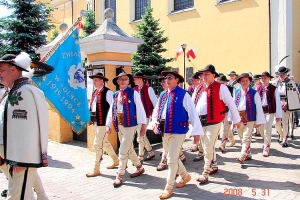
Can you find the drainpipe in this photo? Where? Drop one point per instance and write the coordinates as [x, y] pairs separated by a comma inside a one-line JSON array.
[[270, 36]]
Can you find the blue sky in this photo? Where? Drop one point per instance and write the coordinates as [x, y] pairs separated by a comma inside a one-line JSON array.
[[4, 11]]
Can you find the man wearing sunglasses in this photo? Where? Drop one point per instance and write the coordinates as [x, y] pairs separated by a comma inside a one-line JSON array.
[[126, 112], [171, 116]]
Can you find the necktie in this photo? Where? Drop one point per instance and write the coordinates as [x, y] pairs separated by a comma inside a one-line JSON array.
[[121, 96], [93, 97]]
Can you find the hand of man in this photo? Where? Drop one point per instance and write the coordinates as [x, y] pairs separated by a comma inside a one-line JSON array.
[[143, 130], [237, 125], [257, 125], [229, 122], [108, 130], [278, 119], [196, 139], [91, 122], [18, 169], [155, 128]]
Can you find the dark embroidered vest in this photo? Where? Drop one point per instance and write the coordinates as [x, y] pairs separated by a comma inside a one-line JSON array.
[[230, 88], [102, 107], [147, 103], [129, 108], [215, 106], [270, 95]]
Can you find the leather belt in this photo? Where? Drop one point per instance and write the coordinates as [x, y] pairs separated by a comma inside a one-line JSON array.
[[265, 109], [203, 120], [93, 117], [282, 98]]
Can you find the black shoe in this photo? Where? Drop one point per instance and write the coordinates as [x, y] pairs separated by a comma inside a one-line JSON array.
[[4, 193], [284, 144]]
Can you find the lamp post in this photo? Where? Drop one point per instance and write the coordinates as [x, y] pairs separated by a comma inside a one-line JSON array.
[[183, 49]]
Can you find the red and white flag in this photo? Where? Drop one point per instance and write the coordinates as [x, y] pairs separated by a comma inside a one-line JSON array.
[[178, 52], [79, 26], [191, 53]]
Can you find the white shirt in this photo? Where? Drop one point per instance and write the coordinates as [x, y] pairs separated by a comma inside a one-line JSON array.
[[226, 97], [260, 117], [264, 102], [190, 109], [281, 88], [140, 112], [109, 99]]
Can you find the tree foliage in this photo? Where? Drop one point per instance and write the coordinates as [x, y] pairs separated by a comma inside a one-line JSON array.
[[25, 29], [54, 34], [147, 58], [89, 24]]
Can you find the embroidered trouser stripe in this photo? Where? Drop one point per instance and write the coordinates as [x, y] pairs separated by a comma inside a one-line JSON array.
[[24, 184], [21, 184]]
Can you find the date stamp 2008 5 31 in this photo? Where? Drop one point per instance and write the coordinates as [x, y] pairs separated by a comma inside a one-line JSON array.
[[239, 192]]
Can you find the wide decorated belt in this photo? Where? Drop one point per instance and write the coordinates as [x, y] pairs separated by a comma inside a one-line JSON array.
[[243, 116], [120, 118]]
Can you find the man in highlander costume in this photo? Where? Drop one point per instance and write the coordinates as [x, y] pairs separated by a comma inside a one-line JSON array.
[[23, 107], [289, 98]]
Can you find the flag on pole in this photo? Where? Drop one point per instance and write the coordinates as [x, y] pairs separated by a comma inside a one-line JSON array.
[[178, 52], [191, 53], [65, 86]]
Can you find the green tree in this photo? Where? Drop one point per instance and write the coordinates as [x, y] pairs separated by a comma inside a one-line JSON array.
[[54, 34], [89, 24], [25, 29], [147, 58]]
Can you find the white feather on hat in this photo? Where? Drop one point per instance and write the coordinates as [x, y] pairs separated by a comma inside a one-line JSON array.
[[23, 60], [28, 74], [277, 67]]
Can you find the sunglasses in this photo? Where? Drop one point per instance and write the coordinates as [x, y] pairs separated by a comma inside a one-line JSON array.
[[169, 77], [123, 79]]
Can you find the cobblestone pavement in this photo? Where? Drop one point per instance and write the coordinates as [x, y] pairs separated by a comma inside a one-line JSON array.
[[274, 177]]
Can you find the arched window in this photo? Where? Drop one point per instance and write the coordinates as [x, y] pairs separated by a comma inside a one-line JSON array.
[[183, 4], [140, 7], [111, 4]]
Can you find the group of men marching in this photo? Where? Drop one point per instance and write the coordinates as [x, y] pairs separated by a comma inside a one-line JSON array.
[[214, 105]]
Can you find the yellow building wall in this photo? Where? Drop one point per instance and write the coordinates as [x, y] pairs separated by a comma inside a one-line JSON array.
[[296, 40], [232, 36]]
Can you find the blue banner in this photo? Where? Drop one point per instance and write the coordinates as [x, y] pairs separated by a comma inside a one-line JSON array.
[[65, 86]]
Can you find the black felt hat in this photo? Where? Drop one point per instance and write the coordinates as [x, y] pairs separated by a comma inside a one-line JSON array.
[[244, 75], [282, 70], [256, 77], [21, 61], [99, 75], [222, 78], [210, 68], [175, 73], [123, 74]]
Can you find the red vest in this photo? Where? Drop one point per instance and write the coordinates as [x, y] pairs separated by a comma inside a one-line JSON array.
[[147, 103], [215, 106]]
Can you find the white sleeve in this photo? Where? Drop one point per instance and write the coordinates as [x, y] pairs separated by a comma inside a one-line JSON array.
[[193, 116], [260, 117], [152, 96], [140, 111], [109, 97], [228, 100], [153, 117], [278, 113]]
